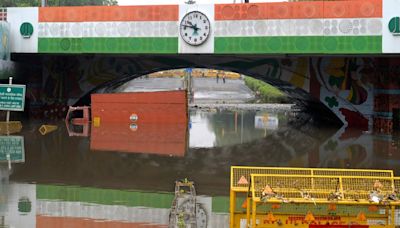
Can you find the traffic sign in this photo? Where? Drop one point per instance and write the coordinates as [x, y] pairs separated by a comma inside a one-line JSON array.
[[12, 97], [12, 148]]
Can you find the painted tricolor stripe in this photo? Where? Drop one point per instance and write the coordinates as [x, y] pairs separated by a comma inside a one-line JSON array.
[[109, 13], [64, 212], [51, 222], [108, 29], [325, 27], [299, 27], [103, 212], [300, 10], [162, 45], [100, 29]]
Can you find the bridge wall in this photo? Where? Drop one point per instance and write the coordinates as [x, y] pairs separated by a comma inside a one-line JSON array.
[[317, 27], [16, 16], [346, 85]]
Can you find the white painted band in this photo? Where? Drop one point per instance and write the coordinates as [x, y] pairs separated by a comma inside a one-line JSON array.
[[299, 27], [108, 29]]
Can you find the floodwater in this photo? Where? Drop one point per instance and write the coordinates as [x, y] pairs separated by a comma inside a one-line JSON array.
[[127, 178]]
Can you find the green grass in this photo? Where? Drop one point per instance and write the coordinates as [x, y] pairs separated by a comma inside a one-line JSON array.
[[265, 91]]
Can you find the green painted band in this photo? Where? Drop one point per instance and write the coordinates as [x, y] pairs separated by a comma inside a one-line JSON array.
[[109, 45], [299, 45], [118, 197], [104, 196]]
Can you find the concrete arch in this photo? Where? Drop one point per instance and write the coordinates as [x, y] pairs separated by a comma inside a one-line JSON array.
[[300, 77]]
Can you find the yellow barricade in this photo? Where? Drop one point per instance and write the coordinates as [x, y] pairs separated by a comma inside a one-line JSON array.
[[347, 189]]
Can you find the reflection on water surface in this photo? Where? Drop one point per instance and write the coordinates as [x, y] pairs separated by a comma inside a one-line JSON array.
[[119, 176]]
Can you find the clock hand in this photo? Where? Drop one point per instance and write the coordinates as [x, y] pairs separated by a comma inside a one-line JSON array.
[[196, 29], [189, 26]]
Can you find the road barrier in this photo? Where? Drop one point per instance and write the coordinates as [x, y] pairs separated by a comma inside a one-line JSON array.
[[313, 197]]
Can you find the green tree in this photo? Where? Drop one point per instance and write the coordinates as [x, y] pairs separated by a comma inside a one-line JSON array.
[[24, 3]]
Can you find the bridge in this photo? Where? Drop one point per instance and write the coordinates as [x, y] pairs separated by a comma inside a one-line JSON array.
[[339, 54]]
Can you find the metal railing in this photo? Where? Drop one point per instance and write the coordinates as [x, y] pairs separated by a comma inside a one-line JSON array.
[[244, 172], [347, 188]]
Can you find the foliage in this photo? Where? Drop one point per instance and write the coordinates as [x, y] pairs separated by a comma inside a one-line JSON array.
[[268, 93], [25, 3]]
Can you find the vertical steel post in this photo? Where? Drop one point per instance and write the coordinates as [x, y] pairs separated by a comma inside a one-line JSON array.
[[232, 203], [254, 214], [8, 112], [393, 214], [241, 128], [248, 199]]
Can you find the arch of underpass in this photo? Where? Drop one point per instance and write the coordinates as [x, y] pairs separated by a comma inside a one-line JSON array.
[[290, 75], [345, 85]]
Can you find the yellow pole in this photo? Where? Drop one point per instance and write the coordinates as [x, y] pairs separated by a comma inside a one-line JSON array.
[[393, 216], [387, 215], [253, 211], [232, 205], [248, 199], [312, 179]]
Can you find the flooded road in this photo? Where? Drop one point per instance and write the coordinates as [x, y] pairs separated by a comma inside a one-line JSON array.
[[77, 180], [206, 90], [123, 174]]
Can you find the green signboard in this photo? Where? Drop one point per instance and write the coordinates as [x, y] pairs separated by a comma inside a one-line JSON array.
[[12, 97], [12, 148]]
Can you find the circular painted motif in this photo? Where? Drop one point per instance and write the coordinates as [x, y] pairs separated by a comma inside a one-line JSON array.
[[26, 29], [394, 25]]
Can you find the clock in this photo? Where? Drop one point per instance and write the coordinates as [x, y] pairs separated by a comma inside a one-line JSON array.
[[195, 28]]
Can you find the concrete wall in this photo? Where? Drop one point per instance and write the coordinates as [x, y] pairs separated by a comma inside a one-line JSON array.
[[17, 16], [344, 27], [390, 42], [208, 45]]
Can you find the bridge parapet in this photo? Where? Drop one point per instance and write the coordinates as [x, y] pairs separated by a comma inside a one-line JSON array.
[[316, 27]]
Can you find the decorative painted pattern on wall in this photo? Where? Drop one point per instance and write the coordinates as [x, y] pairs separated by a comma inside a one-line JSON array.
[[101, 29], [4, 40], [299, 27], [6, 66], [108, 45], [109, 13], [299, 44], [298, 10], [347, 27]]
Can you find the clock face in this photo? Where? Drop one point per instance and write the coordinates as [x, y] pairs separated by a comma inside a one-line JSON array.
[[195, 28]]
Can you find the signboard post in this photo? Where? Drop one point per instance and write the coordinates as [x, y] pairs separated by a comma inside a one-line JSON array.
[[8, 112], [12, 98], [189, 83]]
